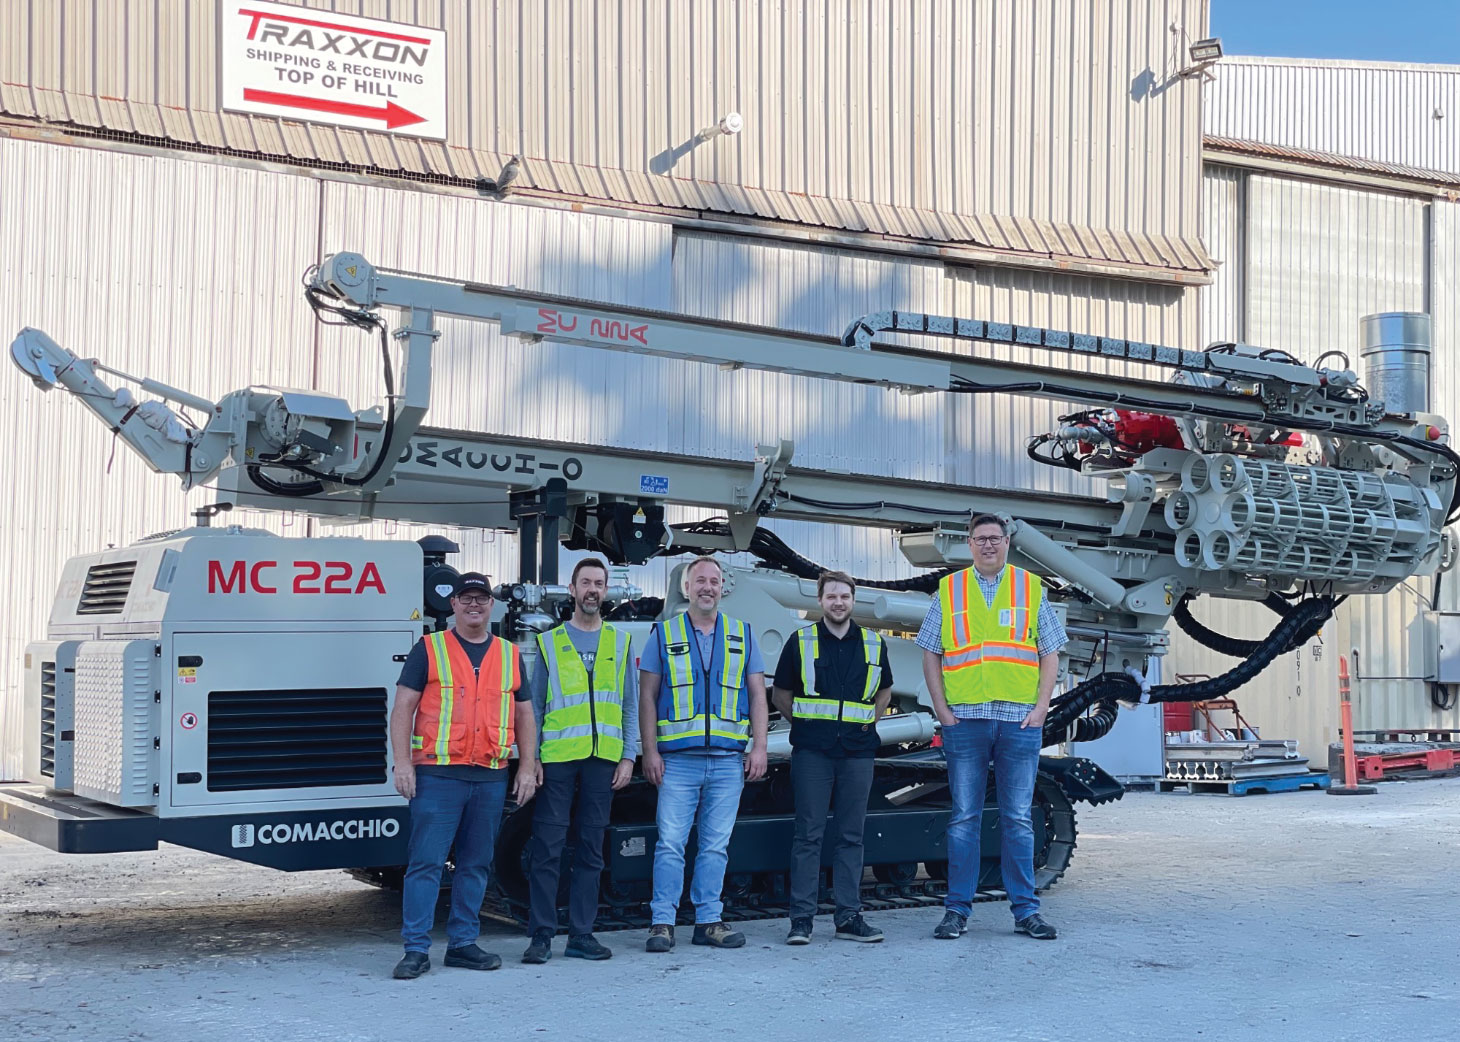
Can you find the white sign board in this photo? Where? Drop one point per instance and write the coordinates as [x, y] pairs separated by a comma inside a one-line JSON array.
[[308, 64]]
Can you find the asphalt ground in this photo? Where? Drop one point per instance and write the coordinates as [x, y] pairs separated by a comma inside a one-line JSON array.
[[1275, 917]]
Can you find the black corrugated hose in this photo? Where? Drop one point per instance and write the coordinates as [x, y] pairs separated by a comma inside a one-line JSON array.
[[1220, 642], [1301, 622]]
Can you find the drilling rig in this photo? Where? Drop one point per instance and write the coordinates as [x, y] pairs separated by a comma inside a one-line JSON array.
[[227, 689]]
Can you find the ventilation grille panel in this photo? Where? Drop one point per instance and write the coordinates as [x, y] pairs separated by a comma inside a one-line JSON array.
[[48, 719], [105, 590], [292, 739]]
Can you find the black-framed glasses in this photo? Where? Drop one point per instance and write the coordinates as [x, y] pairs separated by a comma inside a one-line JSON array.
[[987, 540]]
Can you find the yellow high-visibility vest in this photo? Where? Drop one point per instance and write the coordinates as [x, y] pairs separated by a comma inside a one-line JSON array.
[[584, 716], [990, 652]]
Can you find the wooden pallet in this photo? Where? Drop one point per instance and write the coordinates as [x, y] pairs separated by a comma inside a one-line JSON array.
[[1245, 786]]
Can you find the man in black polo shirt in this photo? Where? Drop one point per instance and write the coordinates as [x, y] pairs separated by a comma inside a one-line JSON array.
[[833, 682]]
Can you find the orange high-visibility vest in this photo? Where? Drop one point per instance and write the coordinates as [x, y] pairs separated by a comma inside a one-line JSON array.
[[465, 717]]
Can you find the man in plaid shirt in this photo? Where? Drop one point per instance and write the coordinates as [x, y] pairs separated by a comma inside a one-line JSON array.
[[991, 644]]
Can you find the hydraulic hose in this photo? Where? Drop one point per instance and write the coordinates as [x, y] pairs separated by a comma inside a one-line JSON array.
[[1097, 724], [1301, 622], [1236, 647], [1304, 620]]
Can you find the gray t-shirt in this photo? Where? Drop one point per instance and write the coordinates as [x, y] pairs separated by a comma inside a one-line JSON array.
[[585, 642]]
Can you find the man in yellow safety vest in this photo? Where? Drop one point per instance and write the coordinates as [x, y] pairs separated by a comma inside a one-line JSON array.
[[588, 718], [991, 645]]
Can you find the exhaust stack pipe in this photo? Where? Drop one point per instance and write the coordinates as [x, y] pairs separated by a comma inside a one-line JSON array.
[[1395, 348]]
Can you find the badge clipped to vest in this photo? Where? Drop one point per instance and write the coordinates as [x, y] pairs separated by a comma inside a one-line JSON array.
[[1006, 617]]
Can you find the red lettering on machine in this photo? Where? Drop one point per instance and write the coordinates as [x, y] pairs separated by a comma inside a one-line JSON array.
[[308, 577]]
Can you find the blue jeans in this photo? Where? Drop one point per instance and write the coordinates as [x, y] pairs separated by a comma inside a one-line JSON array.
[[709, 785], [447, 810], [968, 747]]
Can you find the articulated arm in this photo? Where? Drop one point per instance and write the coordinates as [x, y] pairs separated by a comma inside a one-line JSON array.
[[159, 436]]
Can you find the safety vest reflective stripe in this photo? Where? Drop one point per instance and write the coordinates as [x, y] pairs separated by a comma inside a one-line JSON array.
[[991, 651], [448, 696], [681, 667], [872, 655], [504, 720], [695, 726], [833, 709], [732, 670]]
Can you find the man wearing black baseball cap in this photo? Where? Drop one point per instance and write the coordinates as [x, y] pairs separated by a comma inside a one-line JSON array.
[[459, 706]]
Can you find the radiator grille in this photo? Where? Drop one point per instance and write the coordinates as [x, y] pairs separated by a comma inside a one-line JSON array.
[[290, 739], [48, 719], [105, 590]]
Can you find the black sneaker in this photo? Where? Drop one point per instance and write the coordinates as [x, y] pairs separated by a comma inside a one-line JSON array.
[[470, 957], [661, 938], [586, 946], [718, 935], [412, 966], [858, 929], [800, 930], [951, 927], [1036, 927], [541, 948]]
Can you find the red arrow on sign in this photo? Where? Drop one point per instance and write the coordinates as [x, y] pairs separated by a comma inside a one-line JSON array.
[[392, 114]]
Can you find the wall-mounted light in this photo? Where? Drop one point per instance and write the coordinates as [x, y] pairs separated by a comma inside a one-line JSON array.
[[1204, 54], [730, 123], [1208, 50]]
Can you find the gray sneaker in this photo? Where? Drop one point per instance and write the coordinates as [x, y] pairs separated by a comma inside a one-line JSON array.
[[800, 930], [952, 926], [540, 950], [858, 929], [1036, 927], [586, 946]]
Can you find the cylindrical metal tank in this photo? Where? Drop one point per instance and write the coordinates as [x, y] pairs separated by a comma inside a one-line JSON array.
[[1395, 348]]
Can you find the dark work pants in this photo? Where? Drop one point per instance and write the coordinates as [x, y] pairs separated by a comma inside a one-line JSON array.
[[821, 783], [592, 779]]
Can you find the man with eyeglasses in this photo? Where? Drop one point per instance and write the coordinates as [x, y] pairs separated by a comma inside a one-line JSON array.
[[459, 706], [991, 643]]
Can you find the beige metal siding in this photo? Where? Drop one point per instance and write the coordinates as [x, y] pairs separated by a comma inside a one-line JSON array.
[[1390, 112], [1224, 191], [183, 271], [1321, 257], [1049, 130], [835, 426], [1396, 634]]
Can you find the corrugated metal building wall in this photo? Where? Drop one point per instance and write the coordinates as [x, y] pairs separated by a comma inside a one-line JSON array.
[[901, 148], [858, 116], [185, 268], [1391, 112]]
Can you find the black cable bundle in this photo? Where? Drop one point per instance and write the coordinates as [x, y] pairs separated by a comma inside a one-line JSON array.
[[1220, 642], [1301, 622]]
